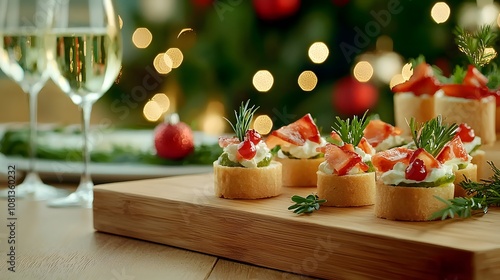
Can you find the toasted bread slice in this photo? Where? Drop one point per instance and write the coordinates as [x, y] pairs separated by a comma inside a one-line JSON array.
[[479, 114], [299, 172], [347, 190], [410, 203], [408, 105], [470, 172], [479, 159], [247, 183]]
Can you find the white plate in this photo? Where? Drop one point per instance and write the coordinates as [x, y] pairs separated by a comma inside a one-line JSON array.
[[55, 170], [60, 171]]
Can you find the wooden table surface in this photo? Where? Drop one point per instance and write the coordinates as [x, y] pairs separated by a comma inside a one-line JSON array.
[[61, 243]]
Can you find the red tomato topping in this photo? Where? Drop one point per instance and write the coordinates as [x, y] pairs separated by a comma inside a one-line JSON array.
[[377, 131], [421, 82], [453, 149], [385, 160], [247, 149], [416, 170], [465, 91], [253, 136], [474, 77], [226, 141], [342, 159], [366, 147], [429, 161], [299, 131], [466, 133]]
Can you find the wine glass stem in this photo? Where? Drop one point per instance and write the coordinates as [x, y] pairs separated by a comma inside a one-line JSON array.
[[86, 111], [32, 100]]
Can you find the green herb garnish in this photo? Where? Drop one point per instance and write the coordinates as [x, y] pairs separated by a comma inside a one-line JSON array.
[[307, 204], [432, 135], [474, 44], [458, 75], [486, 194], [349, 131], [243, 119]]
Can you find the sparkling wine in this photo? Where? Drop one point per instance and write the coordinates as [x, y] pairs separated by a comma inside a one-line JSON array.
[[23, 59], [85, 63]]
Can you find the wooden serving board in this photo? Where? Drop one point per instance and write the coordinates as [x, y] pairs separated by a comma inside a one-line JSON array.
[[333, 243]]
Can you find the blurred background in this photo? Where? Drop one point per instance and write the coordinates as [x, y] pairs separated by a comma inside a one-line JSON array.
[[202, 58]]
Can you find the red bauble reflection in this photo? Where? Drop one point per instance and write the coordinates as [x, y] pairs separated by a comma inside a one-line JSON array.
[[275, 9], [351, 97]]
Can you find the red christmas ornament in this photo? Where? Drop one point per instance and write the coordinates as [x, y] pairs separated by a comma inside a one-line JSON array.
[[351, 97], [173, 139], [275, 9]]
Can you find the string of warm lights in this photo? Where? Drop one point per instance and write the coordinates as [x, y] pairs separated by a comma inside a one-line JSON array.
[[382, 65]]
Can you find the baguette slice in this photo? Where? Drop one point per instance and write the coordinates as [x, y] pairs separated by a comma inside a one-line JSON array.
[[497, 120], [247, 183], [299, 172], [479, 159], [408, 105], [347, 190], [479, 114], [470, 172], [410, 203]]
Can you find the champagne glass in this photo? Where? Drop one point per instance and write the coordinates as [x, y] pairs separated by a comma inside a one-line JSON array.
[[22, 58], [85, 54]]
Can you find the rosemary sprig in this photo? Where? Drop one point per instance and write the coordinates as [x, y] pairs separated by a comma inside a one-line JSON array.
[[349, 131], [243, 118], [474, 44], [305, 205], [432, 135], [486, 194]]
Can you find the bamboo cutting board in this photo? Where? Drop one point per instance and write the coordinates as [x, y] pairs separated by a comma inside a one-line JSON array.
[[333, 243]]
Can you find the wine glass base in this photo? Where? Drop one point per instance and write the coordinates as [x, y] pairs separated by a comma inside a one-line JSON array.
[[82, 197], [33, 188]]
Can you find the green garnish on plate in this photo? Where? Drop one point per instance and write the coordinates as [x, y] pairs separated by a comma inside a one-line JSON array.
[[14, 143], [485, 194]]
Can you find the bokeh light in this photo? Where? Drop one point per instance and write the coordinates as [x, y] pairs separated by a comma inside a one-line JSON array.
[[363, 71], [396, 80], [318, 52], [263, 124], [142, 37], [162, 100], [440, 12], [387, 65], [384, 43], [120, 21], [490, 52], [175, 55], [213, 124], [307, 80], [406, 71], [263, 80], [152, 111], [488, 14], [163, 63]]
